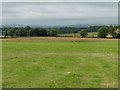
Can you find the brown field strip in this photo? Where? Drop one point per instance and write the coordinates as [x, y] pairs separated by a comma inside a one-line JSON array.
[[60, 38]]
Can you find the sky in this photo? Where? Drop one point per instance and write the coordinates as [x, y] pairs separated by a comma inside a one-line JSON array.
[[59, 13], [60, 0]]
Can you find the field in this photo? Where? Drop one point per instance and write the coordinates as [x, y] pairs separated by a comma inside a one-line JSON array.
[[58, 62], [90, 35]]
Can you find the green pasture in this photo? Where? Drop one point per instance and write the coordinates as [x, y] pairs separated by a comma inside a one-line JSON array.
[[47, 63]]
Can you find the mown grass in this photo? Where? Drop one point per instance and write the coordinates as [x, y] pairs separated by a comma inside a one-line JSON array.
[[48, 63]]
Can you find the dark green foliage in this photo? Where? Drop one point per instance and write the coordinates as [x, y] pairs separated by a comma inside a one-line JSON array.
[[27, 31], [83, 33], [93, 28], [5, 33], [103, 32], [63, 30], [22, 32], [27, 28], [116, 34], [34, 32], [10, 32], [52, 32], [114, 31], [16, 32], [111, 29], [42, 32], [37, 32]]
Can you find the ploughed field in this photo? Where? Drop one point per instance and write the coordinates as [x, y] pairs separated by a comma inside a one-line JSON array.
[[58, 62]]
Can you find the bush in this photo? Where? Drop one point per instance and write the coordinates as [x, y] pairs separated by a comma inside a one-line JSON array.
[[83, 33]]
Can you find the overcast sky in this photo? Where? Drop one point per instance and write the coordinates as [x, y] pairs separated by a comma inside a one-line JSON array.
[[69, 13]]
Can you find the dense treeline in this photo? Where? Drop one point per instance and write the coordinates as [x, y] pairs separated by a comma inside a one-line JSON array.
[[103, 31], [114, 31], [63, 30], [28, 31]]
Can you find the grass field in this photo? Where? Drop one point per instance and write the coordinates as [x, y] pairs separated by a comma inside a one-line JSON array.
[[60, 63]]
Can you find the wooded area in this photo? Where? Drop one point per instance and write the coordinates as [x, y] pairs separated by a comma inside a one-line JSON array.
[[102, 31]]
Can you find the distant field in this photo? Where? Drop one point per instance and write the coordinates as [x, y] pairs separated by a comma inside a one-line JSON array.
[[90, 34], [58, 62]]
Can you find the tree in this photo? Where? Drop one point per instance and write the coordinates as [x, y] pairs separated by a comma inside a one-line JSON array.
[[30, 33], [52, 32], [37, 32], [10, 31], [27, 28], [83, 33], [103, 32], [116, 33], [16, 32], [21, 32], [112, 30], [34, 32], [48, 32], [42, 32], [5, 33]]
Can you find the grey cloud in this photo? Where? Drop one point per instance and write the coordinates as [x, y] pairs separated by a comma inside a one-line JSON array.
[[60, 13]]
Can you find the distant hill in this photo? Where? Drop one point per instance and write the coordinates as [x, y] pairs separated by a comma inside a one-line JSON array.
[[45, 26]]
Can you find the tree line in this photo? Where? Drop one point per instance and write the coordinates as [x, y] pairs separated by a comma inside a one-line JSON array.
[[63, 30], [28, 31], [114, 31], [102, 31]]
